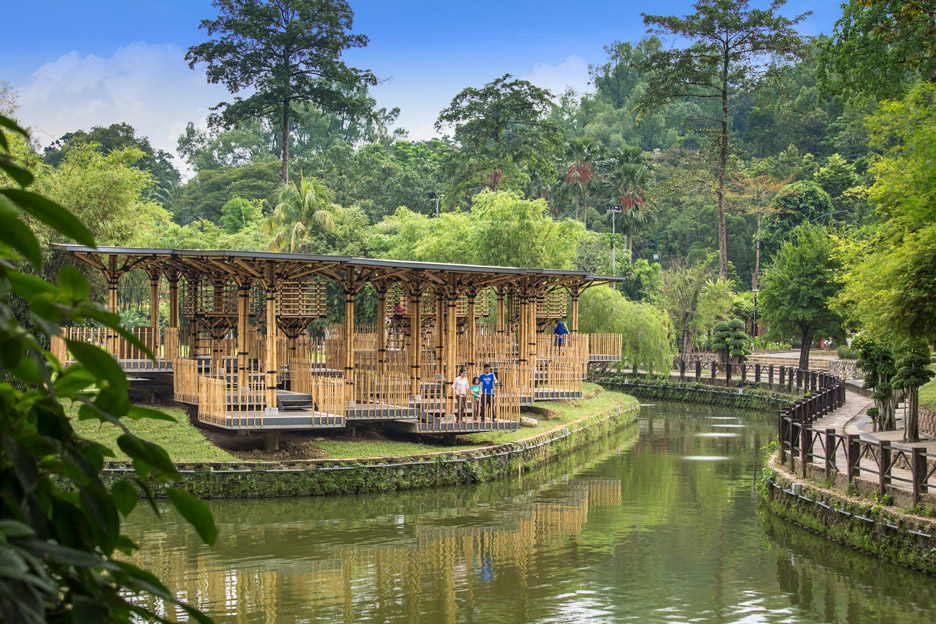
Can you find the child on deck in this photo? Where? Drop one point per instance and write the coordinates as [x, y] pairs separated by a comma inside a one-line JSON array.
[[488, 381], [460, 386], [475, 396]]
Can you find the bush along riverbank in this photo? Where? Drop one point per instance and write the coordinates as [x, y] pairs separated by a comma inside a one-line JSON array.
[[378, 474], [872, 526], [748, 397]]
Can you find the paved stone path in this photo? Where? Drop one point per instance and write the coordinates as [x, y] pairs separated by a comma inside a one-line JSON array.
[[851, 419]]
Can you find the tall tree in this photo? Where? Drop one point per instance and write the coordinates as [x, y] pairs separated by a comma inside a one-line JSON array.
[[758, 191], [880, 47], [289, 51], [501, 127], [730, 45], [799, 286]]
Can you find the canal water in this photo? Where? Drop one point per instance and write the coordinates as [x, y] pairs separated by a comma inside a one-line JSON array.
[[657, 523]]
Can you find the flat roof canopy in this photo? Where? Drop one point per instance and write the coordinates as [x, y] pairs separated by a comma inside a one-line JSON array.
[[293, 266]]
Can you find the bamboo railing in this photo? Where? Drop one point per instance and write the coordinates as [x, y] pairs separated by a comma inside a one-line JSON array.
[[604, 347]]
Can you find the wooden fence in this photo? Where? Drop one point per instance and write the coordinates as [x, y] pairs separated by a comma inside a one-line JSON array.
[[833, 453]]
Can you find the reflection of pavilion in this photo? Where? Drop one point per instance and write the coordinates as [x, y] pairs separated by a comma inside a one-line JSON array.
[[409, 562], [238, 342]]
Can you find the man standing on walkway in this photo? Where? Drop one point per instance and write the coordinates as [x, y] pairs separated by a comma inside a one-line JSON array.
[[488, 381]]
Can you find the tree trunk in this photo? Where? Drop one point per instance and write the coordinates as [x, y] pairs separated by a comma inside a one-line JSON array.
[[912, 424], [284, 171], [686, 343], [756, 257], [722, 167], [804, 348]]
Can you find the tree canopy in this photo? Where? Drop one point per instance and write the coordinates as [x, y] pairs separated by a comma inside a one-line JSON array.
[[289, 52]]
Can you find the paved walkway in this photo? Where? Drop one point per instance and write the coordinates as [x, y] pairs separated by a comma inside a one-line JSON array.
[[852, 419]]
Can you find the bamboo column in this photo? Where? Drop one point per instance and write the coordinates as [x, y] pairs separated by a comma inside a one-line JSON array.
[[243, 313], [415, 341], [112, 275], [173, 278], [154, 299], [270, 376], [471, 333], [499, 343], [523, 318], [217, 306], [191, 282], [531, 337], [451, 328], [381, 330], [574, 313], [349, 288], [440, 332]]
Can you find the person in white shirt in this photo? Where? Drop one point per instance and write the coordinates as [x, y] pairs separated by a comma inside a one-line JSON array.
[[460, 386]]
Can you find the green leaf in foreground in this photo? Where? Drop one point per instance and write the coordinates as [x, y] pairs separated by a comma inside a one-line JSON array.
[[195, 511]]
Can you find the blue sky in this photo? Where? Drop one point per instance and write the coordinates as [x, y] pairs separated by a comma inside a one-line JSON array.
[[79, 64]]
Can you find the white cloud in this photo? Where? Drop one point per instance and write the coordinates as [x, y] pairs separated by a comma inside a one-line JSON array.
[[572, 72], [148, 86]]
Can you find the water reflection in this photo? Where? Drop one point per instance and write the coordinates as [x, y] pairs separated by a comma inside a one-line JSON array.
[[624, 530]]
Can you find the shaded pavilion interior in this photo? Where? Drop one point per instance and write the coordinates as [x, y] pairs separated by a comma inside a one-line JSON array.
[[239, 342]]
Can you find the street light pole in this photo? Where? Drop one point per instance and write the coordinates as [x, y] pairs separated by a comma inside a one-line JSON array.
[[613, 209], [437, 196]]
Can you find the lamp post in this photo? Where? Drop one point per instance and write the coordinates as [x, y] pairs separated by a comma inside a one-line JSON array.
[[437, 196], [656, 244], [754, 291], [613, 208]]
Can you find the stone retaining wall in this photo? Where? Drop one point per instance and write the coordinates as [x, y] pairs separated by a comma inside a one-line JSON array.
[[882, 531], [319, 477]]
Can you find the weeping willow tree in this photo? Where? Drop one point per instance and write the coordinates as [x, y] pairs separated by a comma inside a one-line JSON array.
[[646, 342]]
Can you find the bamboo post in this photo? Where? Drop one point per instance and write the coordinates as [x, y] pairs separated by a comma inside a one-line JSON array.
[[440, 333], [381, 330], [415, 341], [574, 313], [451, 325], [531, 338], [173, 278], [243, 312], [270, 376], [349, 336], [154, 300], [471, 333], [113, 279]]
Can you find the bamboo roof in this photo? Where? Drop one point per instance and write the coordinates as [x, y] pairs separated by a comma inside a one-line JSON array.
[[221, 263]]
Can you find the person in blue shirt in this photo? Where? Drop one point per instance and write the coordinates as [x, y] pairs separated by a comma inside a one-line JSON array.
[[488, 381], [560, 331]]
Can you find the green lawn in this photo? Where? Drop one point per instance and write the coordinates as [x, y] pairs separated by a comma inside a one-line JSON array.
[[928, 393], [560, 413], [181, 440], [184, 442]]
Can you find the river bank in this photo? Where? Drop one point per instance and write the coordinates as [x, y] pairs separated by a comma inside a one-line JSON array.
[[564, 427]]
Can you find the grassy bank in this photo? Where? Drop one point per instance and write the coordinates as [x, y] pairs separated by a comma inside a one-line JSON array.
[[187, 443], [928, 393]]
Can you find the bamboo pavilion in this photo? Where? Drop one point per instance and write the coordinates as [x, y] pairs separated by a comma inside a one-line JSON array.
[[238, 343]]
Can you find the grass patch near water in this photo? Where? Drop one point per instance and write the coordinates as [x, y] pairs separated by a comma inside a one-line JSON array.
[[182, 441]]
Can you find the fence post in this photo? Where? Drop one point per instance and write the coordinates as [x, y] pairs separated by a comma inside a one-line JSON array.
[[698, 370], [790, 381], [852, 455], [794, 438], [918, 471], [743, 373], [829, 451], [757, 373], [682, 370], [799, 379], [884, 469], [805, 454], [781, 437], [782, 378], [770, 376], [714, 369], [727, 374]]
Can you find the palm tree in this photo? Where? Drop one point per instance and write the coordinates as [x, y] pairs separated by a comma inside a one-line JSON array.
[[627, 178], [580, 158], [302, 209]]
